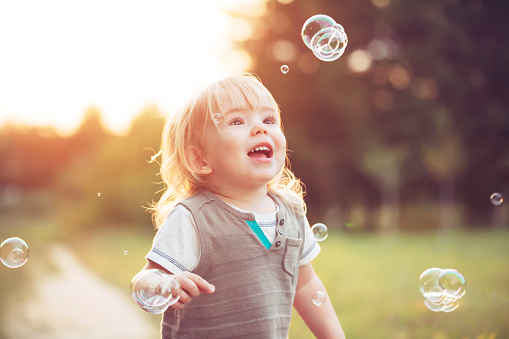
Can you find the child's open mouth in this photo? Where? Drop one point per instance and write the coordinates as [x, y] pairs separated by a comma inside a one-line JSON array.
[[261, 152]]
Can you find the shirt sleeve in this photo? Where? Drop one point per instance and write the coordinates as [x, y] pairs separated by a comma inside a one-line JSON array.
[[176, 245], [311, 247]]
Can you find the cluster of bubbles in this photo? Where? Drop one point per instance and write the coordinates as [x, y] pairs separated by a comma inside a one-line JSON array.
[[496, 199], [154, 290], [326, 38], [442, 289], [320, 232], [14, 252]]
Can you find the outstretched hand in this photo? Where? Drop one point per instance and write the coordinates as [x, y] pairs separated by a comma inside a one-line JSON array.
[[191, 286]]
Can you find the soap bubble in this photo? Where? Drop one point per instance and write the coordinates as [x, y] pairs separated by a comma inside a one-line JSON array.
[[496, 199], [428, 281], [442, 288], [326, 38], [319, 298], [314, 25], [14, 252], [285, 69], [452, 283], [98, 194], [451, 306], [125, 252], [329, 43], [217, 118], [154, 290], [320, 232], [432, 306]]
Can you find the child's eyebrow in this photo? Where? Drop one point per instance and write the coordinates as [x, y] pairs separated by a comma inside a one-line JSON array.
[[243, 110]]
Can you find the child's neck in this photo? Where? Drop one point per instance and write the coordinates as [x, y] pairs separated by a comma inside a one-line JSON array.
[[256, 201]]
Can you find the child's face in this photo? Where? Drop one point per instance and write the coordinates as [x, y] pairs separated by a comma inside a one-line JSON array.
[[247, 148]]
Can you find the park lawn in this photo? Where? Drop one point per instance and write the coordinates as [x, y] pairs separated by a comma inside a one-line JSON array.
[[373, 282], [371, 279]]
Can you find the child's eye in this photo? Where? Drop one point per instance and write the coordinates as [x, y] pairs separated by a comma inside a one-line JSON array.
[[270, 120], [236, 121]]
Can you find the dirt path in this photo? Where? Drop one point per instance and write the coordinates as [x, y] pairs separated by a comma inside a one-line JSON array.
[[74, 303]]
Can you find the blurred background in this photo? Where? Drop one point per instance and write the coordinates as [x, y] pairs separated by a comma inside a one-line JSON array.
[[400, 142]]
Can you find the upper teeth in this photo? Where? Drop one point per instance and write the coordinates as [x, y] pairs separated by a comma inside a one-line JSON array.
[[262, 148]]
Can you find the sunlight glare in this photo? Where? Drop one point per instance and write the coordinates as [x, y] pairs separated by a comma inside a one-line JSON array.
[[61, 57]]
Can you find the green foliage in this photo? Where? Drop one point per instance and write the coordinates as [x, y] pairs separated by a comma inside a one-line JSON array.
[[425, 124], [89, 180], [109, 183], [436, 89]]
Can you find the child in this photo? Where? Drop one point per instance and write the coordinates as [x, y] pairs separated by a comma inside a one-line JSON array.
[[232, 224]]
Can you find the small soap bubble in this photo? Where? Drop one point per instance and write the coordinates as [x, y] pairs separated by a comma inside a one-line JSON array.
[[285, 69], [98, 194], [14, 252], [496, 199], [217, 118], [320, 232], [154, 290], [125, 252], [319, 298]]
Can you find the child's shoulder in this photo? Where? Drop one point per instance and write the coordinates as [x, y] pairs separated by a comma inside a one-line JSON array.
[[197, 199]]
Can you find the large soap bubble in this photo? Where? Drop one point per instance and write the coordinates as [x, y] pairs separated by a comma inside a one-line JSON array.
[[154, 290], [326, 38], [314, 25], [442, 289], [452, 283]]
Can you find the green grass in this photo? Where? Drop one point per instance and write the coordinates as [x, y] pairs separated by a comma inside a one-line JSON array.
[[373, 284], [372, 280]]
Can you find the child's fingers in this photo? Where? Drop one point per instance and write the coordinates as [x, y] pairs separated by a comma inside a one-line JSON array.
[[203, 285], [191, 286], [194, 284], [178, 305]]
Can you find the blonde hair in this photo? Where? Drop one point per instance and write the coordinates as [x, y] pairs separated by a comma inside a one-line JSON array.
[[186, 128]]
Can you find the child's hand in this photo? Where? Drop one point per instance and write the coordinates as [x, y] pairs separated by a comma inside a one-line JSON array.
[[191, 285]]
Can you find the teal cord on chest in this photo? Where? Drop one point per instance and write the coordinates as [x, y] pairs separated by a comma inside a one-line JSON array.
[[259, 233]]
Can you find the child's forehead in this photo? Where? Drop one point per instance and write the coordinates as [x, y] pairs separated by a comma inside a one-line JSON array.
[[237, 100]]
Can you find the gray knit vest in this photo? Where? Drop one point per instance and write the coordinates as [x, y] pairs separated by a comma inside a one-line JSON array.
[[255, 286]]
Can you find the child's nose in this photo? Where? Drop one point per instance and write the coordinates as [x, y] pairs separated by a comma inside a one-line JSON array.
[[258, 129]]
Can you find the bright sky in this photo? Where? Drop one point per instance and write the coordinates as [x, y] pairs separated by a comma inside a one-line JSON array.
[[60, 57]]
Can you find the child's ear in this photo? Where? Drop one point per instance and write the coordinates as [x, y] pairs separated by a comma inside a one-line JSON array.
[[194, 157]]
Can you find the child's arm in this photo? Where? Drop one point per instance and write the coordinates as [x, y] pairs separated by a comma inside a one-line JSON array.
[[191, 285], [321, 320]]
